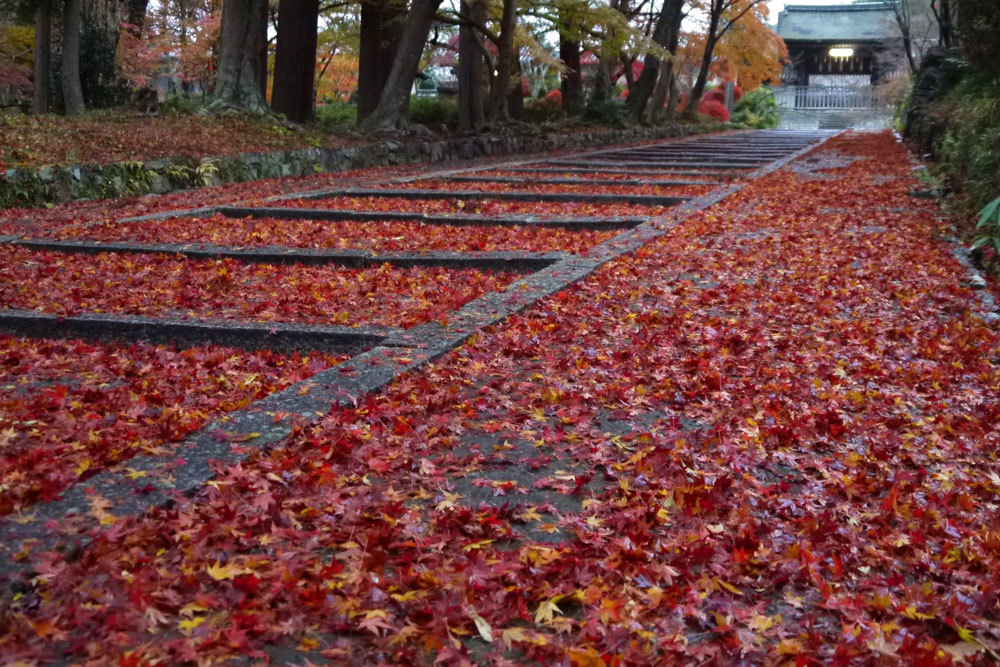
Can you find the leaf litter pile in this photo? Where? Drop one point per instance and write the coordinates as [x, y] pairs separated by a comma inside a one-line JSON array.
[[69, 409], [166, 286], [537, 209], [375, 236], [768, 437], [622, 175], [528, 186]]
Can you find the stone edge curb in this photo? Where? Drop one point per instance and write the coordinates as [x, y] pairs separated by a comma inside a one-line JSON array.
[[285, 336]]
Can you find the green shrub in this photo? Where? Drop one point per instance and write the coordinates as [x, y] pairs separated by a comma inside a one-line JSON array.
[[182, 104], [544, 110], [433, 110], [606, 112], [757, 110], [205, 173], [988, 229], [23, 191], [968, 150], [337, 114]]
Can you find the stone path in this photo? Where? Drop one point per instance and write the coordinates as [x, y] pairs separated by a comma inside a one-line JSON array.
[[741, 156]]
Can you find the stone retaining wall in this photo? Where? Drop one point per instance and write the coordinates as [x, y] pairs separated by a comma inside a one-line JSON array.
[[70, 183]]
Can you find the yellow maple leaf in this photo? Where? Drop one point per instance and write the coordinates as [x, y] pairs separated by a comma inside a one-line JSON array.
[[448, 502], [511, 635], [760, 623], [187, 625], [729, 587], [789, 647], [476, 545], [531, 514], [547, 609], [412, 594], [911, 612], [965, 634], [220, 572], [192, 609]]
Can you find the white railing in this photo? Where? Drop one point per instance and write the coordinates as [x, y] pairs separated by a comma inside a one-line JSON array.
[[830, 97]]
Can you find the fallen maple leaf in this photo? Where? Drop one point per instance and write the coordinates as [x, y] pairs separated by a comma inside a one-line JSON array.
[[517, 634], [375, 621], [546, 609], [482, 625], [222, 572]]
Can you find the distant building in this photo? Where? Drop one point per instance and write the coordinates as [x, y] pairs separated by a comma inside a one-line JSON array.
[[839, 44]]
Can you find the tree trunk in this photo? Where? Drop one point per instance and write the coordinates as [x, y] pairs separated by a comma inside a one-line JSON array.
[[136, 16], [667, 83], [654, 111], [470, 74], [572, 78], [238, 80], [699, 85], [103, 14], [602, 80], [382, 22], [675, 94], [627, 71], [945, 19], [505, 63], [369, 82], [515, 98], [43, 57], [639, 93], [295, 59], [260, 43], [100, 26], [393, 104], [706, 61], [72, 90], [901, 10], [908, 47]]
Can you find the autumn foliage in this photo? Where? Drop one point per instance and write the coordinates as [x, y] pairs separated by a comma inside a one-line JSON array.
[[166, 286], [767, 437], [714, 108]]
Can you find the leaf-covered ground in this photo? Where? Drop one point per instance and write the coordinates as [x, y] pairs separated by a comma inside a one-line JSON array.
[[385, 236], [538, 209], [69, 409], [528, 186], [606, 175], [769, 436], [104, 137], [166, 286]]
